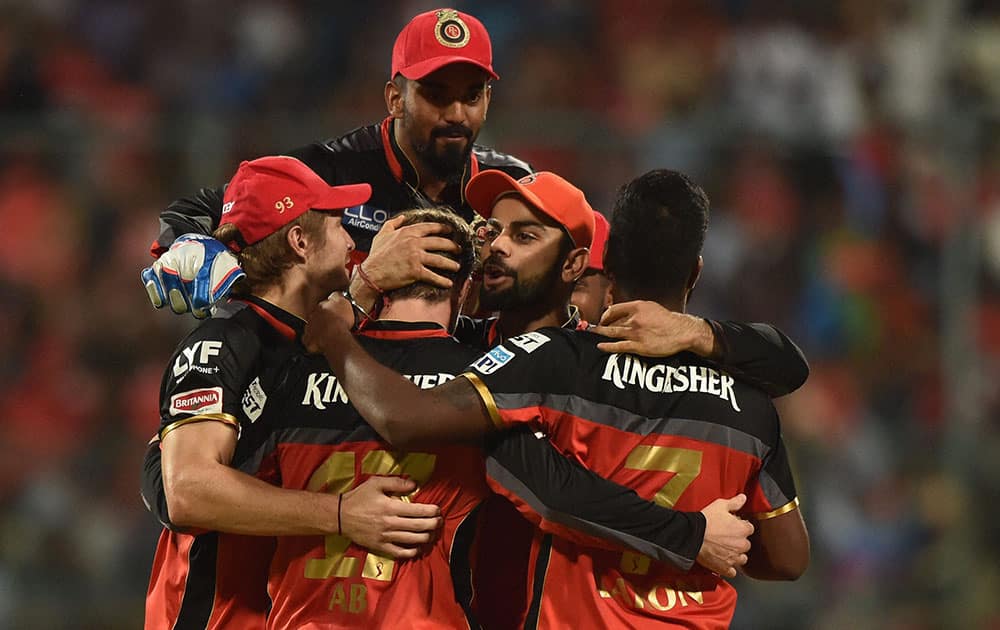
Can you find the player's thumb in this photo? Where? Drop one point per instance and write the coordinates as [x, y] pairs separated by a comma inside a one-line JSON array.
[[396, 485], [736, 503]]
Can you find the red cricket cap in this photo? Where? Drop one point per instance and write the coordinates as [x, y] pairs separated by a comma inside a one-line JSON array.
[[546, 192], [268, 193], [439, 38], [601, 229]]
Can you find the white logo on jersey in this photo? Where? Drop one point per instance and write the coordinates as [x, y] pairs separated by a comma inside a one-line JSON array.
[[365, 217], [493, 360], [195, 357], [254, 400], [198, 401], [529, 342], [323, 388], [624, 369]]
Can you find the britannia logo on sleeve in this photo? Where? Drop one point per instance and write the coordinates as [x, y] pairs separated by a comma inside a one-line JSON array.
[[450, 30], [197, 402]]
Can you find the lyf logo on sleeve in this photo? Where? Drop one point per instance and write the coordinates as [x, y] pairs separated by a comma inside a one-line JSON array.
[[196, 357]]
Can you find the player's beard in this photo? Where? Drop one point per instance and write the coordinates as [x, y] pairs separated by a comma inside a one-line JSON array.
[[448, 162], [522, 292]]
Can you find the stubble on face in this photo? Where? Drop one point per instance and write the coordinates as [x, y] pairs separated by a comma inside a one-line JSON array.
[[525, 289]]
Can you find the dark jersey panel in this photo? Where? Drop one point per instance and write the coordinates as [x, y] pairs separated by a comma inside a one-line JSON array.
[[359, 156]]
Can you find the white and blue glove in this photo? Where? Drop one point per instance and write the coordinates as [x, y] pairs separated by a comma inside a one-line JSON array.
[[195, 273]]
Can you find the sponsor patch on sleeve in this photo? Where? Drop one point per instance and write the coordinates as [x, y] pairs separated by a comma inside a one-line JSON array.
[[198, 401], [254, 400], [529, 342], [493, 360]]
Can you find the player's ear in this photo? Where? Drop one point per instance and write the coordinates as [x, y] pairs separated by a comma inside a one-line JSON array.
[[695, 274], [575, 264], [487, 94], [394, 96], [298, 241]]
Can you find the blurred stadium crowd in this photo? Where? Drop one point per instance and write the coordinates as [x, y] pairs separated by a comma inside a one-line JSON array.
[[851, 149]]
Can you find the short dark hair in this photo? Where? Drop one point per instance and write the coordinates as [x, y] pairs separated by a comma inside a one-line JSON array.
[[657, 231], [461, 234]]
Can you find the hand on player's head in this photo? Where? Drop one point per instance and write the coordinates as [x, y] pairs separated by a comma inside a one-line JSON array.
[[195, 273], [403, 255]]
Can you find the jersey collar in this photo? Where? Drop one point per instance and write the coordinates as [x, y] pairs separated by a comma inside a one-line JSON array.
[[289, 326], [393, 329], [574, 322], [404, 172]]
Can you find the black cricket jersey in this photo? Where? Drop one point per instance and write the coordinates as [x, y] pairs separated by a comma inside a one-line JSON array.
[[365, 155]]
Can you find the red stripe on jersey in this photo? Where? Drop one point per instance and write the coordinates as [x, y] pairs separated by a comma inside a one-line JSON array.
[[390, 155], [601, 588], [404, 334], [286, 331]]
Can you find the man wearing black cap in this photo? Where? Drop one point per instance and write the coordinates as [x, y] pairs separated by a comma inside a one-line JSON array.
[[421, 155]]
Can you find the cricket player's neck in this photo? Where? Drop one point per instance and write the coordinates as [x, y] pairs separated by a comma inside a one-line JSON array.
[[418, 310], [294, 293], [513, 322]]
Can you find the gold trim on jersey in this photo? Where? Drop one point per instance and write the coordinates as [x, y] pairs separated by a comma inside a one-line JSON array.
[[224, 418], [784, 509], [487, 398]]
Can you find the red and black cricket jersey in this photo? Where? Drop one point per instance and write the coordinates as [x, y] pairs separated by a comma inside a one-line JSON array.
[[311, 438], [368, 155], [284, 444], [678, 430], [220, 372]]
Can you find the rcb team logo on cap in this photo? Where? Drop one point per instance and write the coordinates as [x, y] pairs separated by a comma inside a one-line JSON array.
[[450, 30]]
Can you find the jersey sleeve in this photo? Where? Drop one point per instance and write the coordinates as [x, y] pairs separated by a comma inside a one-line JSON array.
[[563, 498], [772, 492], [762, 355], [207, 376], [514, 377], [199, 214], [151, 487]]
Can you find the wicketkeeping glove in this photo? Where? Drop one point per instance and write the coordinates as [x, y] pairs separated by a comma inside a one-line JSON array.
[[195, 273]]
